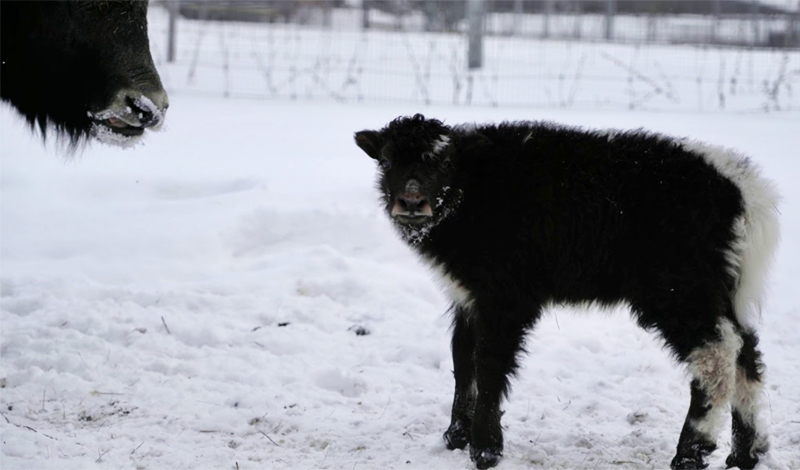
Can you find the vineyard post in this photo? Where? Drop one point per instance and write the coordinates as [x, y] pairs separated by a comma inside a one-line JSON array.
[[475, 34]]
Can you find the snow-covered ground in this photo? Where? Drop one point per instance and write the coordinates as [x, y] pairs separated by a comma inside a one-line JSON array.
[[194, 304]]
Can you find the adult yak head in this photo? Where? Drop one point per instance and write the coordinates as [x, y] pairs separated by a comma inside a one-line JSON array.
[[82, 67]]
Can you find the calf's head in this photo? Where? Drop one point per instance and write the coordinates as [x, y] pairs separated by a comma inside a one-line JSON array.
[[416, 170], [83, 67]]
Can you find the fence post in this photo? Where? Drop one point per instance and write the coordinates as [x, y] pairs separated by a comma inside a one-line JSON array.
[[611, 10], [652, 28], [756, 24], [475, 34], [172, 7], [327, 14], [548, 10], [717, 11], [398, 18], [792, 38], [365, 14]]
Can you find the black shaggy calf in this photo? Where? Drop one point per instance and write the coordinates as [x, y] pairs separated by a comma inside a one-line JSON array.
[[518, 216], [82, 67]]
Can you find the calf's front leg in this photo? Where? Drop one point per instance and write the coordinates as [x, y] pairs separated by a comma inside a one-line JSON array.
[[499, 336], [457, 435]]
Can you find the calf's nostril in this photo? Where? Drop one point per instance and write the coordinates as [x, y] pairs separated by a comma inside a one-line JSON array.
[[413, 203]]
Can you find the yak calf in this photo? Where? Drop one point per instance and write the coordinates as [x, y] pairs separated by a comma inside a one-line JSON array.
[[518, 216]]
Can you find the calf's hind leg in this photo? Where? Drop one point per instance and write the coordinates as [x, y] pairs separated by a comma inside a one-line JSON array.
[[748, 441], [712, 365]]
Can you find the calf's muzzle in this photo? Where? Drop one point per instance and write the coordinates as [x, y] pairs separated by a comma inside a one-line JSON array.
[[410, 205]]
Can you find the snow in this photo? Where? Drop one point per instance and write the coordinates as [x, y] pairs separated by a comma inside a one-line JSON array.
[[106, 135], [194, 303]]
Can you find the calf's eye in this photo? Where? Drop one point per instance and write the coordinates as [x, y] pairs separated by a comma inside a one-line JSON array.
[[386, 164]]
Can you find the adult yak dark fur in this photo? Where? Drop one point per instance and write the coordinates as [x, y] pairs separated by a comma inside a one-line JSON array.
[[518, 216], [82, 67]]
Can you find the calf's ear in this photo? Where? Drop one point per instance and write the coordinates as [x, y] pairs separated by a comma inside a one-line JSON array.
[[370, 142]]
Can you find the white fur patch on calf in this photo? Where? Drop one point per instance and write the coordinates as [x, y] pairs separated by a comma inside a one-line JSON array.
[[455, 291], [714, 366], [757, 232], [747, 401], [440, 144], [747, 396], [436, 147]]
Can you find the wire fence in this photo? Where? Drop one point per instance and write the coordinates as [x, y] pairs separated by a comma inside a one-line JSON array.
[[707, 56]]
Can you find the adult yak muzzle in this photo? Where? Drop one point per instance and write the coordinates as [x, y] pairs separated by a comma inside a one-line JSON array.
[[131, 112], [411, 206]]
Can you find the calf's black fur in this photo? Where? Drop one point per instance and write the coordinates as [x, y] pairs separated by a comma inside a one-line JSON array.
[[517, 216]]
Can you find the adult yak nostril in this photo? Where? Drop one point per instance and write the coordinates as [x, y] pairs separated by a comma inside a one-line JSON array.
[[148, 109], [145, 116]]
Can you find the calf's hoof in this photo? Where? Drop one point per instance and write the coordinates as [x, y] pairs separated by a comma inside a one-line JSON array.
[[456, 436], [692, 456], [485, 458], [694, 461], [742, 461], [746, 455]]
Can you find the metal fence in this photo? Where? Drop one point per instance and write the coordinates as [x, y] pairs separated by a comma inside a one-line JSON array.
[[689, 55]]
